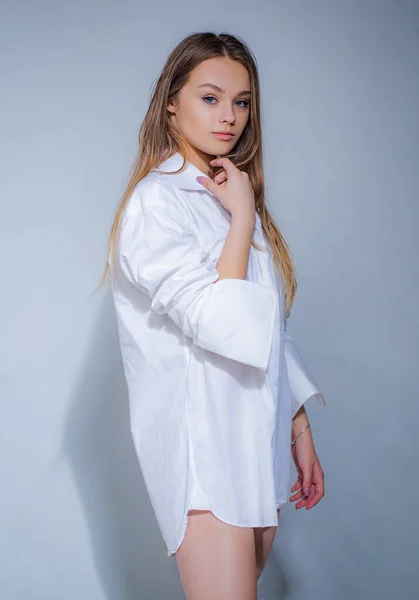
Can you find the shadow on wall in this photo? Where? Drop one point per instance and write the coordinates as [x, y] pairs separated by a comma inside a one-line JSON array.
[[127, 548]]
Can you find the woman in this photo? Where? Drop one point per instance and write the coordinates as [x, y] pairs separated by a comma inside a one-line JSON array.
[[203, 283]]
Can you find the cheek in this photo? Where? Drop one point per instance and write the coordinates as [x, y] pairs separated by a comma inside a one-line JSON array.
[[243, 120], [197, 115], [201, 111]]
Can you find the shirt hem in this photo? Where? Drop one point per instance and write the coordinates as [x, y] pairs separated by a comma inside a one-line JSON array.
[[171, 553]]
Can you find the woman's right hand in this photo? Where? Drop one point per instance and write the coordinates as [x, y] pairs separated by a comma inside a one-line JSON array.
[[232, 187]]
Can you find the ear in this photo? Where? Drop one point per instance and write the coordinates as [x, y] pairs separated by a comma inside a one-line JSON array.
[[171, 107]]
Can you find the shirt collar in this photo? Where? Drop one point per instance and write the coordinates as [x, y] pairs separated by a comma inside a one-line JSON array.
[[185, 180]]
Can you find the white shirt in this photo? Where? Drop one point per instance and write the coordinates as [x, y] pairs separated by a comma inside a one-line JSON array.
[[213, 378]]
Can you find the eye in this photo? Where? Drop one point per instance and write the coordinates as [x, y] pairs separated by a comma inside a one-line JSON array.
[[207, 98]]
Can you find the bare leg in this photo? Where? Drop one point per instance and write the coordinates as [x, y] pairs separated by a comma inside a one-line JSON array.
[[264, 537], [217, 561]]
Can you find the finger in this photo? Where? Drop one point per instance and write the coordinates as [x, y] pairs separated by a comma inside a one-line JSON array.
[[220, 177], [304, 494], [300, 498], [317, 495], [298, 483], [317, 484], [225, 163], [302, 502], [296, 486], [313, 498], [306, 499], [307, 481], [297, 496], [208, 183]]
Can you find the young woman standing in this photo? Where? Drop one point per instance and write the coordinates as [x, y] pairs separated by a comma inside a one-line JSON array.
[[203, 284]]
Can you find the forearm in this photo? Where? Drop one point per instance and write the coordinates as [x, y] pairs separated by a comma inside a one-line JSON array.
[[234, 257], [299, 421]]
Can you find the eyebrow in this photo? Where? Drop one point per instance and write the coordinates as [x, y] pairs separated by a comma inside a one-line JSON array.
[[218, 89]]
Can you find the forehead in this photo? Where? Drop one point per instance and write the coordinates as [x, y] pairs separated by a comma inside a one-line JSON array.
[[228, 74]]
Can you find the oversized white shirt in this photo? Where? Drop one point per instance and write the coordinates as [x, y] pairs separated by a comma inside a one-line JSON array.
[[214, 379]]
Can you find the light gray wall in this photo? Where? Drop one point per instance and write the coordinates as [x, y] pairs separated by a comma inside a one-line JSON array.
[[340, 109]]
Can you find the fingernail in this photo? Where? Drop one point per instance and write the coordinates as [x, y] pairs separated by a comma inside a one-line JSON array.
[[307, 491], [200, 179]]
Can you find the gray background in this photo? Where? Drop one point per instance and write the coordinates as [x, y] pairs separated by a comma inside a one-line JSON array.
[[340, 98]]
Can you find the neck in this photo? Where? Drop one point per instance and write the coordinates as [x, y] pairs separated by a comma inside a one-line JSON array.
[[201, 160]]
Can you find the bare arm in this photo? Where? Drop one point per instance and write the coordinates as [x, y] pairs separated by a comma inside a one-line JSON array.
[[234, 257], [233, 189], [299, 420]]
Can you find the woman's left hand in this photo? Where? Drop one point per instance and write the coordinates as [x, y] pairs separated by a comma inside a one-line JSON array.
[[310, 473]]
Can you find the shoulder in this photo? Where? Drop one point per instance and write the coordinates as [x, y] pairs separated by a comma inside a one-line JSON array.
[[154, 193]]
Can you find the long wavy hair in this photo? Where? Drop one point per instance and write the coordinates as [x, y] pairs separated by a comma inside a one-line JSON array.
[[158, 140]]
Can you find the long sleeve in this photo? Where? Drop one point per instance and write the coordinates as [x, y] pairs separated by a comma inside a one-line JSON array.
[[161, 254], [302, 383]]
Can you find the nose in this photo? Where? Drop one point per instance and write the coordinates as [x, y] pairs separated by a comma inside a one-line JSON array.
[[228, 114]]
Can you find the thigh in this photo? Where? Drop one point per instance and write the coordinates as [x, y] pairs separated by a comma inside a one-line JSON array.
[[217, 561], [264, 537]]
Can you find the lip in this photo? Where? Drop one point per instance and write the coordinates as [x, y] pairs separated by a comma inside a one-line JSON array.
[[223, 135]]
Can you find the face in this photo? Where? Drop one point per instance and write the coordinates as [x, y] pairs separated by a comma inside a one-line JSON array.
[[215, 99]]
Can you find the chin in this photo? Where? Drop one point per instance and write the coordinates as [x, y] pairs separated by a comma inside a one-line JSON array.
[[221, 149], [212, 151]]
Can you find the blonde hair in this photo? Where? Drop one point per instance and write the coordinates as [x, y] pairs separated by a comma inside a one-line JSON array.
[[158, 140]]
